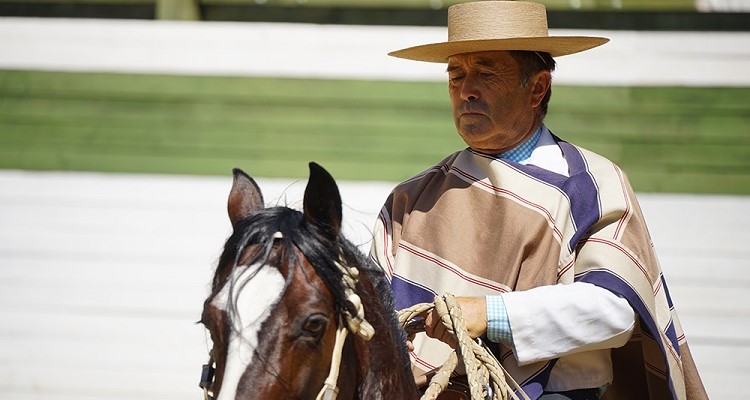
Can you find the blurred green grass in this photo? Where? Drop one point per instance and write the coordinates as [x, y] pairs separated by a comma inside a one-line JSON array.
[[667, 139]]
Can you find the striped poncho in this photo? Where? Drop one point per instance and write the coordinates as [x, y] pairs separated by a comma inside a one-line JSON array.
[[475, 225]]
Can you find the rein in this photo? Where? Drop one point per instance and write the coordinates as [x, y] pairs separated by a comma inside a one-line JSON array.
[[487, 378]]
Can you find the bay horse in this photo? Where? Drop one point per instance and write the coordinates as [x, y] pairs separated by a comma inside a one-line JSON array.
[[286, 286]]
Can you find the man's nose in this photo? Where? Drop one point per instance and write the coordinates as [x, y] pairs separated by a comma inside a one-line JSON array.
[[470, 88]]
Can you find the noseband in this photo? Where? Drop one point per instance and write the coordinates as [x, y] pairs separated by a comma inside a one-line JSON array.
[[356, 324]]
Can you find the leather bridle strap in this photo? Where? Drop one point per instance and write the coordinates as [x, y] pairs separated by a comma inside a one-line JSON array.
[[330, 389], [356, 323], [207, 379]]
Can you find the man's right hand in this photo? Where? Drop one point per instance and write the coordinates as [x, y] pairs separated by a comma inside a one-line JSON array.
[[474, 310]]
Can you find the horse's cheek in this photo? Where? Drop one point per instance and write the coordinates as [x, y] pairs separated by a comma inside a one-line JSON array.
[[311, 364], [257, 382]]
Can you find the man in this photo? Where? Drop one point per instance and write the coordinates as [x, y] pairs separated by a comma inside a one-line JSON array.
[[543, 241]]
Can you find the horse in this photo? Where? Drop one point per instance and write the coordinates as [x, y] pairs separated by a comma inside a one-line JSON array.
[[287, 290]]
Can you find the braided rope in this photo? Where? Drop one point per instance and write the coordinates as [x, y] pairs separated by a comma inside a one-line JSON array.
[[487, 378]]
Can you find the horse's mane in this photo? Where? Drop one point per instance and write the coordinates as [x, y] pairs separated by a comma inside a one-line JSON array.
[[259, 230]]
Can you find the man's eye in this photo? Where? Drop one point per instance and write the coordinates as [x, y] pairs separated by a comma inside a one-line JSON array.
[[457, 78]]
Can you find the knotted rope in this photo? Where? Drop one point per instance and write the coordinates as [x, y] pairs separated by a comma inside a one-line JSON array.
[[487, 379], [356, 323]]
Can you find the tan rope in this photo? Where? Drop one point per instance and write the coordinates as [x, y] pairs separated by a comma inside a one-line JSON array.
[[487, 378]]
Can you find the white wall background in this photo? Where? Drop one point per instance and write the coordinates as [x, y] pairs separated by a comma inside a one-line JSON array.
[[335, 51]]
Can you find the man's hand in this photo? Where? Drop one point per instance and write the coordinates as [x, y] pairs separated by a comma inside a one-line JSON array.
[[474, 311]]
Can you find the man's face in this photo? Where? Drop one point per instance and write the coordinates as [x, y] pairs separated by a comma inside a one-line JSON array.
[[491, 110]]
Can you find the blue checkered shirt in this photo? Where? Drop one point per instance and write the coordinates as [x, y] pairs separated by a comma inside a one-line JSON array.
[[522, 152], [498, 323]]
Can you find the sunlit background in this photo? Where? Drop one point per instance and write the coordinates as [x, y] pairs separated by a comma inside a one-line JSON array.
[[120, 121]]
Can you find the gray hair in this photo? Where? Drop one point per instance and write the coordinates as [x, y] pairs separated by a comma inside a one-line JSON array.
[[530, 63]]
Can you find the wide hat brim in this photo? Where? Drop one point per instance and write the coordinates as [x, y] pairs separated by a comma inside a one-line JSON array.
[[498, 25], [554, 45]]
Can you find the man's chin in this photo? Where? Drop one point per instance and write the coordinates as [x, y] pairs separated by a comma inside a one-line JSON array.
[[473, 135]]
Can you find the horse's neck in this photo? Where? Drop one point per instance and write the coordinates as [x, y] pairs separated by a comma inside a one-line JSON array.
[[384, 376], [385, 370]]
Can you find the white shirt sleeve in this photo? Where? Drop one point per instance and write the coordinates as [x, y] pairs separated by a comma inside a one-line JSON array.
[[549, 322]]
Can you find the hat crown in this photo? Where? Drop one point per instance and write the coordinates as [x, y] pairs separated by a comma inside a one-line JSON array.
[[496, 20]]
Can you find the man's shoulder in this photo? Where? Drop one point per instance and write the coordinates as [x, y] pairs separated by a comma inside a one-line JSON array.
[[428, 173], [593, 159], [590, 166], [593, 155]]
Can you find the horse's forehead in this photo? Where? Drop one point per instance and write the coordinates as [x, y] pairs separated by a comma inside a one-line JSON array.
[[248, 296], [248, 287]]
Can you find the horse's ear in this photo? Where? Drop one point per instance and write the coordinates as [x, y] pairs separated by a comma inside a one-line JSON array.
[[322, 203], [245, 198]]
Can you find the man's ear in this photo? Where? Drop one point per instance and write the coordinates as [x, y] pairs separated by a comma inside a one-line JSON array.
[[540, 84]]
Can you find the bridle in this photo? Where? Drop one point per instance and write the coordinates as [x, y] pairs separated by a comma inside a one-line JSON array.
[[207, 378], [356, 324]]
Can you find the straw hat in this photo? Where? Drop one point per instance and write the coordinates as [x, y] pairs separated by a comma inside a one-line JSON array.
[[498, 25]]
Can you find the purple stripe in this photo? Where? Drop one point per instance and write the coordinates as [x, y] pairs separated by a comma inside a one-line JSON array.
[[534, 386], [620, 287], [580, 189], [666, 291], [407, 293], [670, 331], [582, 192], [672, 335]]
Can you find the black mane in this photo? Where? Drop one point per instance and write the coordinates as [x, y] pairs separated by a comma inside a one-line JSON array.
[[259, 230]]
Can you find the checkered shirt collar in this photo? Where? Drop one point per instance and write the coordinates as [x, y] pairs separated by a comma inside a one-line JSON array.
[[523, 151]]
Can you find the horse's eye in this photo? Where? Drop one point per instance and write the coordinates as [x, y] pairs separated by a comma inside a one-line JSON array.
[[314, 325]]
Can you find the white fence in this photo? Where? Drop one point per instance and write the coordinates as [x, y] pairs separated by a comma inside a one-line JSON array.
[[358, 52]]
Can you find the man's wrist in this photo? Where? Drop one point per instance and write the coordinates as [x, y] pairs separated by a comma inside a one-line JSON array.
[[498, 322]]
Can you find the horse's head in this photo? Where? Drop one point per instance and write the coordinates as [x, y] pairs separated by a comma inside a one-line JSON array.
[[284, 285]]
